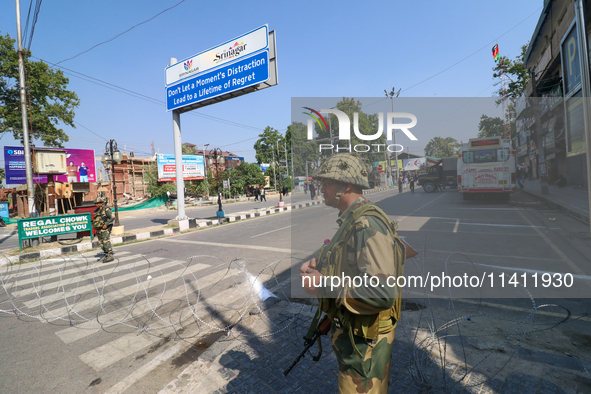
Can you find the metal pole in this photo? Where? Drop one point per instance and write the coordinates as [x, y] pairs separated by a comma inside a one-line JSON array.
[[205, 167], [273, 165], [395, 147], [586, 82], [178, 161], [21, 72], [114, 184]]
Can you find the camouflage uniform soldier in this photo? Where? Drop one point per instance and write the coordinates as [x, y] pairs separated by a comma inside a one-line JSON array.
[[102, 223], [364, 317]]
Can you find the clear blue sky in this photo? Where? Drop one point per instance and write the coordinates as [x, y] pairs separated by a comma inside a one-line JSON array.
[[325, 49]]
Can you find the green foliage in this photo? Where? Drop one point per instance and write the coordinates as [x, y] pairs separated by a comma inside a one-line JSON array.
[[50, 101], [442, 147], [490, 127], [245, 175], [156, 188], [188, 150], [515, 73], [368, 125], [267, 144], [303, 150]]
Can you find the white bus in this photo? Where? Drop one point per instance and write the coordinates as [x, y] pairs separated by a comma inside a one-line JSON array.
[[486, 165]]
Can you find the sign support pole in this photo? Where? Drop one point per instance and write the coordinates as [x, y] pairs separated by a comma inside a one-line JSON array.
[[178, 161]]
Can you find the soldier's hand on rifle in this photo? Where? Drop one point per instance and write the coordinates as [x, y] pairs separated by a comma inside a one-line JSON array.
[[307, 270], [104, 226]]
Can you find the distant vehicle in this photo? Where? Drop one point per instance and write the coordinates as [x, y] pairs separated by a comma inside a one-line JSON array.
[[443, 173], [486, 165]]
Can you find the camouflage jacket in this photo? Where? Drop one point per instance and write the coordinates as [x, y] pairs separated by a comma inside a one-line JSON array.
[[365, 246], [102, 216]]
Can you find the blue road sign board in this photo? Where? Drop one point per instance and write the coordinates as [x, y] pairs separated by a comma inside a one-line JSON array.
[[231, 77]]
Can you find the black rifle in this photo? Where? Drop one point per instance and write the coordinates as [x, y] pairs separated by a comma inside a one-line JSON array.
[[323, 328]]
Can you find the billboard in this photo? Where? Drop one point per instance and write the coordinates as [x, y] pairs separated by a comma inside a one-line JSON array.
[[81, 166], [192, 168], [415, 164]]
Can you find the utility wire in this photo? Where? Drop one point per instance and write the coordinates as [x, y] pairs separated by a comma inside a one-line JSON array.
[[474, 53], [122, 33]]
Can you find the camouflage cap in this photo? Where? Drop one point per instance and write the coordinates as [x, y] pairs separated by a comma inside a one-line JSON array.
[[345, 168], [99, 199]]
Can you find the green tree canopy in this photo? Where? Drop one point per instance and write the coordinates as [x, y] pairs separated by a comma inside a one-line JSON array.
[[50, 101], [517, 76], [245, 175], [442, 147], [303, 149], [266, 145], [490, 127], [368, 125]]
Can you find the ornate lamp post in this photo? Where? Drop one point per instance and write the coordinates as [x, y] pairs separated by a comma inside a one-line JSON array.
[[393, 93], [280, 184], [205, 165], [112, 156], [216, 156]]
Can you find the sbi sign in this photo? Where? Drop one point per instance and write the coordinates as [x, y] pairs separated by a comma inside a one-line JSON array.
[[16, 152]]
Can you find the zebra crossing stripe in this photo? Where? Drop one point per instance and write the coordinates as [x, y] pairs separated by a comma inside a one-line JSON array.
[[114, 351], [100, 278]]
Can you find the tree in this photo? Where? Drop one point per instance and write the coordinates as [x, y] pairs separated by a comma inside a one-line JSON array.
[[156, 188], [303, 150], [514, 71], [267, 144], [442, 147], [188, 150], [49, 102], [245, 175], [490, 127], [368, 125]]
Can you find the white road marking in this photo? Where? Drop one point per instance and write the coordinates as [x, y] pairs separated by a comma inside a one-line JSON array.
[[456, 226], [505, 225], [114, 351], [272, 231], [146, 369], [253, 247]]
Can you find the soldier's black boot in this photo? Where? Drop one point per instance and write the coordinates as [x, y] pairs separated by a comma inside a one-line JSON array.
[[108, 258]]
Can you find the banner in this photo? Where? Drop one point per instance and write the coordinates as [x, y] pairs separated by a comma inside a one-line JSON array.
[[81, 166], [192, 168], [415, 164], [53, 225]]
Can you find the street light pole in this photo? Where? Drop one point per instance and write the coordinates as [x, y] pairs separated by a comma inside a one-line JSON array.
[[205, 167], [393, 94], [217, 155], [112, 156]]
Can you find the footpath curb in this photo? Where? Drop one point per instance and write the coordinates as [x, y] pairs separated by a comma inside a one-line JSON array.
[[193, 224], [553, 205]]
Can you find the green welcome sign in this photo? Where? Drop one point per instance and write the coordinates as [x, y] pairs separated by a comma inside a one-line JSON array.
[[53, 225]]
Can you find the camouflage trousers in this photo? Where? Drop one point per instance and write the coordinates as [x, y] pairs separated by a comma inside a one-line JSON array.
[[367, 374], [104, 238]]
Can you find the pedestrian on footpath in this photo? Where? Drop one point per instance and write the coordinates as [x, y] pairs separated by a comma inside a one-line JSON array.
[[412, 183], [305, 188], [102, 223], [406, 181], [521, 175], [363, 318], [399, 185], [263, 194], [312, 191], [256, 194]]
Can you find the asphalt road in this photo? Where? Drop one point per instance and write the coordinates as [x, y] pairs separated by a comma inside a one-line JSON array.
[[134, 220], [162, 300]]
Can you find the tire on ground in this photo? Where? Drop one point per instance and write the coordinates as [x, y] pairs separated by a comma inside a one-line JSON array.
[[429, 187]]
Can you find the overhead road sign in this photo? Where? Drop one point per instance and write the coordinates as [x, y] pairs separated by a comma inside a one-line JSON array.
[[241, 74], [240, 47], [208, 86]]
